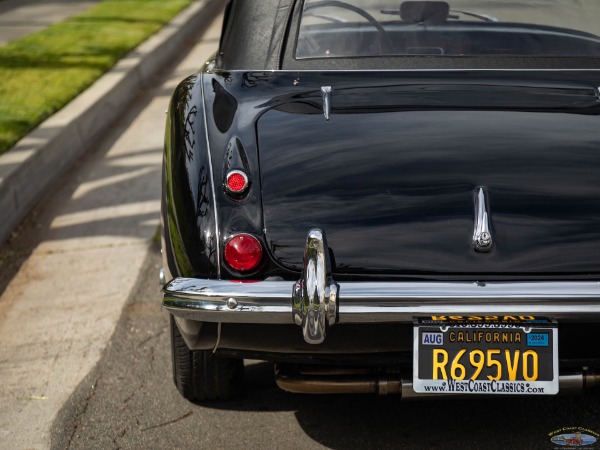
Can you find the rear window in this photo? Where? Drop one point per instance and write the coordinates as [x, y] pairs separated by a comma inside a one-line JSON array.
[[366, 28]]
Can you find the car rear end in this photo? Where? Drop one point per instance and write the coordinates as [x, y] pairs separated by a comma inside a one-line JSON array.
[[421, 232]]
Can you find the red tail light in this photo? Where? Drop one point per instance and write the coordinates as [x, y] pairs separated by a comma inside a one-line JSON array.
[[243, 252], [236, 182]]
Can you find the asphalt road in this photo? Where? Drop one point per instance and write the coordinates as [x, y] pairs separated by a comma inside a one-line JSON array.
[[127, 399], [130, 402]]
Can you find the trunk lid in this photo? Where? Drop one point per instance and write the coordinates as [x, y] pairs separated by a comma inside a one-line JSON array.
[[392, 179]]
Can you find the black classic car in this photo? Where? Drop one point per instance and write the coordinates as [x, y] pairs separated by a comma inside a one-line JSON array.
[[388, 197]]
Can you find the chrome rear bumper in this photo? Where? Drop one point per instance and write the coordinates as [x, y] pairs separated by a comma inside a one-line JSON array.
[[270, 302], [316, 301]]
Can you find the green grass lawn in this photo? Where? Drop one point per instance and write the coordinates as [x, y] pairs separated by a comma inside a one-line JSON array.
[[41, 73]]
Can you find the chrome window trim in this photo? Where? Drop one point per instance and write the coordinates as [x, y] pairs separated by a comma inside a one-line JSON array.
[[368, 71]]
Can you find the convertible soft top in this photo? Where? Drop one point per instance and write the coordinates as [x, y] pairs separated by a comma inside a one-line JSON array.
[[253, 33], [261, 35]]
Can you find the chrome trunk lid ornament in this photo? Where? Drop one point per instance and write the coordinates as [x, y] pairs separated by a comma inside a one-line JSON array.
[[315, 295], [482, 233]]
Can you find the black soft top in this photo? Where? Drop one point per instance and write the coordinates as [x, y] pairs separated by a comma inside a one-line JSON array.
[[261, 35], [253, 33]]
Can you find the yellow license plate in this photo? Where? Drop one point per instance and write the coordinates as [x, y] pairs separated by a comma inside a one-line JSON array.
[[472, 355]]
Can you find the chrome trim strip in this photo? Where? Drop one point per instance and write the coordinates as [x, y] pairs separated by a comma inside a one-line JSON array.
[[367, 71], [482, 234], [212, 179], [326, 95], [384, 302]]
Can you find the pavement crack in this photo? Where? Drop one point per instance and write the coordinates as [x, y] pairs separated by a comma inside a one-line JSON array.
[[148, 339], [81, 413], [170, 422], [128, 399]]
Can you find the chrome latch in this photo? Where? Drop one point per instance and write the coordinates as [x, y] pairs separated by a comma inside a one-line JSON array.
[[315, 295]]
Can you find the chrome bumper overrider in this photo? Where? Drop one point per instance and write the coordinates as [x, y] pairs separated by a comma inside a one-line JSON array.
[[317, 302]]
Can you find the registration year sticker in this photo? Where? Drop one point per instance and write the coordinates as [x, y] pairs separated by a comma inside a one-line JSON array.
[[497, 356]]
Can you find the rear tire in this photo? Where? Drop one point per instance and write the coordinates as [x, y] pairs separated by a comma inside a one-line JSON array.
[[199, 375]]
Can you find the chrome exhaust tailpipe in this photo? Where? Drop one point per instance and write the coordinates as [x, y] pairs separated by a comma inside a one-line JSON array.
[[578, 381], [348, 380]]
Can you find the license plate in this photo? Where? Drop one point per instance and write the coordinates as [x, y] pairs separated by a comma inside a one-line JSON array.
[[485, 355]]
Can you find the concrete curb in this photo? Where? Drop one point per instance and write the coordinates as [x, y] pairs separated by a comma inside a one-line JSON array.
[[39, 159]]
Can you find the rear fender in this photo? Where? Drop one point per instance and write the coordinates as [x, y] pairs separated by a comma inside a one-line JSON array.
[[190, 245]]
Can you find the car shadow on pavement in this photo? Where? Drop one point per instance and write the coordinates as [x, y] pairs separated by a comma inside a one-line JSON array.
[[129, 401], [369, 421], [106, 198]]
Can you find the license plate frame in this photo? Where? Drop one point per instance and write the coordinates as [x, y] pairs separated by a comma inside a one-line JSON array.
[[526, 344]]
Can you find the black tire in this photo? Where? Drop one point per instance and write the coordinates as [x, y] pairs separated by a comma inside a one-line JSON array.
[[201, 376]]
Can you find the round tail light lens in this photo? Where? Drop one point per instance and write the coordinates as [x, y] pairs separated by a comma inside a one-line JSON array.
[[236, 182], [243, 252]]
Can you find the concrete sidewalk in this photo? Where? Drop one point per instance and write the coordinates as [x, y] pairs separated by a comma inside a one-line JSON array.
[[85, 245], [19, 18], [39, 159]]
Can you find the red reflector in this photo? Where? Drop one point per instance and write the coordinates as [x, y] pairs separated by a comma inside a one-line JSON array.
[[237, 181], [243, 252]]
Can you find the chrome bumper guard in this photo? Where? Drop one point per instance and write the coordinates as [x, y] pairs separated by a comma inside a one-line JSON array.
[[316, 301]]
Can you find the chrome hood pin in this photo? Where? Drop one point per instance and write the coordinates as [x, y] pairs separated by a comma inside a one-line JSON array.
[[482, 234]]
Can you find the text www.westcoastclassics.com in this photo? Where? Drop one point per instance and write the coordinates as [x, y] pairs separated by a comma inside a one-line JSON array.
[[485, 387]]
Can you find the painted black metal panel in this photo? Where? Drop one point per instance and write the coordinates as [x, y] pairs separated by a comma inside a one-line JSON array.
[[391, 176], [395, 190], [188, 208]]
